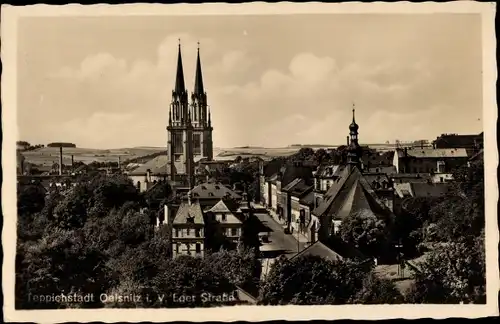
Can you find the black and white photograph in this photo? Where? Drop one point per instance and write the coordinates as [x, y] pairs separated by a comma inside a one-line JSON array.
[[200, 157]]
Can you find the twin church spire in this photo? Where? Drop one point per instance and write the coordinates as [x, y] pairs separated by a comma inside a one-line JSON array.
[[181, 111]]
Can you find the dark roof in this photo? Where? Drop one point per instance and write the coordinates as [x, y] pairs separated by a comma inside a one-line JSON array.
[[157, 165], [352, 194], [209, 190], [292, 171], [429, 189], [320, 250], [308, 199], [458, 141], [328, 170], [379, 169]]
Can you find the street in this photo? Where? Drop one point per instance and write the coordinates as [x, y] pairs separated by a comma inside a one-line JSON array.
[[280, 243]]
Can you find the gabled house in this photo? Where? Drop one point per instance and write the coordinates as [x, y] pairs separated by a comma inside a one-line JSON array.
[[210, 193], [296, 213], [188, 230], [227, 215]]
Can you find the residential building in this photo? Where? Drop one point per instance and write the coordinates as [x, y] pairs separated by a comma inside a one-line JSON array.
[[210, 193], [227, 216], [438, 162], [294, 212], [471, 143], [188, 230]]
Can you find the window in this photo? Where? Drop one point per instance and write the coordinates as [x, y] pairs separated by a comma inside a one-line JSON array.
[[217, 187], [177, 232], [197, 232], [198, 247], [188, 248], [177, 143], [177, 247], [223, 217], [197, 143], [234, 232], [188, 231], [210, 194], [138, 185]]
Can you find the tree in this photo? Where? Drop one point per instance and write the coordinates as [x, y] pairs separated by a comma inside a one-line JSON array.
[[30, 199], [461, 213], [188, 276], [452, 274], [240, 267], [377, 291], [60, 263], [365, 231]]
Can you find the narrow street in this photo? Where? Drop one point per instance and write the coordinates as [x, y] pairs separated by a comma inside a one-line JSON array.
[[280, 243]]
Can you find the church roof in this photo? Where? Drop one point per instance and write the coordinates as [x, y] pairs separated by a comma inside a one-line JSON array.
[[198, 79], [189, 213], [352, 194], [180, 87]]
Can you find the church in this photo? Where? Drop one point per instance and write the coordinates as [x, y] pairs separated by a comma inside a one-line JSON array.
[[189, 128], [189, 136]]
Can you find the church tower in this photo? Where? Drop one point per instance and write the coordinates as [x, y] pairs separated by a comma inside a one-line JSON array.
[[180, 132], [353, 150], [201, 119]]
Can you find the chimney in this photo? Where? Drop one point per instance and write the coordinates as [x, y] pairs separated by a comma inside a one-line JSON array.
[[148, 175], [60, 161]]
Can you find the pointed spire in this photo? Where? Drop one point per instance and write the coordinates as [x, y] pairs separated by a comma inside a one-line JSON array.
[[198, 80], [353, 127], [179, 79]]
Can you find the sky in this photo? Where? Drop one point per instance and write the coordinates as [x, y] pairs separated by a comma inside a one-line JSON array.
[[271, 80]]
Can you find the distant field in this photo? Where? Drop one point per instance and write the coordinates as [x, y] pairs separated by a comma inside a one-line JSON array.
[[50, 155]]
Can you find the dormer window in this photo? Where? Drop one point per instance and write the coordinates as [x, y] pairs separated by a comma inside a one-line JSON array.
[[211, 194], [217, 188], [203, 188]]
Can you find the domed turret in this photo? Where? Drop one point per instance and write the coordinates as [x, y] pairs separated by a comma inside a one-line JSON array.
[[353, 127]]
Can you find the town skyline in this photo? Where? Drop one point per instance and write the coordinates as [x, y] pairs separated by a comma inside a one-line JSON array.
[[118, 85]]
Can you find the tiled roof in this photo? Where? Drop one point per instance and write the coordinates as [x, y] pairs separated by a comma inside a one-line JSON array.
[[157, 165], [210, 190], [379, 169], [292, 171], [188, 211], [462, 141], [437, 153]]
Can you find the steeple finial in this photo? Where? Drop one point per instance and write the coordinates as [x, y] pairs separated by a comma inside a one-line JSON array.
[[198, 79], [180, 86], [353, 112]]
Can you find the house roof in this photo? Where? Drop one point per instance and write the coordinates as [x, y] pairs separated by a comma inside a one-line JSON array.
[[292, 171], [437, 153], [227, 208], [379, 169], [210, 190], [157, 165], [455, 140], [328, 170], [308, 199], [429, 189], [188, 211], [320, 250], [410, 177]]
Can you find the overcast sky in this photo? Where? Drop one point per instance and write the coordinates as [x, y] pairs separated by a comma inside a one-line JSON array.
[[106, 82]]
